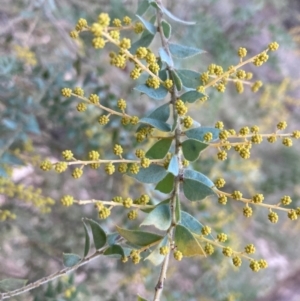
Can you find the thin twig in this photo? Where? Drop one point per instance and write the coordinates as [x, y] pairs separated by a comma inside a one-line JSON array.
[[162, 276], [51, 277]]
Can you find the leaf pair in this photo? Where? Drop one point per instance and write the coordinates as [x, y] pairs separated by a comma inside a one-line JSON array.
[[99, 237]]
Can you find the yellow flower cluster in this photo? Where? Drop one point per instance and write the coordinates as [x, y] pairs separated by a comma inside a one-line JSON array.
[[220, 182], [60, 166], [6, 214], [177, 255], [67, 155], [25, 55], [188, 121], [164, 250], [122, 168], [77, 173], [67, 200], [206, 230], [109, 168], [26, 194], [209, 249], [132, 214], [180, 107], [118, 150], [143, 199], [104, 213], [153, 82], [135, 256]]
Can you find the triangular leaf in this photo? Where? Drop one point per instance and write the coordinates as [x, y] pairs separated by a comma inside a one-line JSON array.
[[161, 113], [153, 3], [149, 26], [11, 284], [98, 234], [87, 240], [152, 174], [177, 80], [173, 166], [191, 149], [157, 94], [112, 238], [196, 186], [159, 149], [143, 6], [70, 259], [144, 41], [115, 251], [191, 96], [165, 57], [166, 29], [198, 133], [139, 238], [189, 78], [161, 125], [186, 242], [160, 217], [191, 223], [162, 74], [166, 184], [155, 257], [182, 51], [170, 15]]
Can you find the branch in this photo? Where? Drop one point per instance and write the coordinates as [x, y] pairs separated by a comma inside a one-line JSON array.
[[162, 277], [51, 277]]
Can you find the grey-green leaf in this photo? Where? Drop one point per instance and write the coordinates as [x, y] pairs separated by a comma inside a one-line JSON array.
[[191, 223], [191, 96], [161, 113], [144, 41], [163, 126], [112, 238], [99, 235], [198, 133], [164, 56], [189, 78], [70, 259], [115, 251], [192, 148], [182, 51], [166, 29], [196, 186], [10, 284], [152, 174], [162, 74], [142, 8], [155, 257], [149, 26], [159, 149], [157, 94], [177, 80], [160, 217], [166, 184], [153, 3], [139, 238], [87, 240], [173, 166], [170, 15], [186, 242]]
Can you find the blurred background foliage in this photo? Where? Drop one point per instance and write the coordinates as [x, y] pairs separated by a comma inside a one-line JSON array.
[[37, 59]]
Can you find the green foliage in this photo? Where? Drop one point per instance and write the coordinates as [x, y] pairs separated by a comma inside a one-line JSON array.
[[155, 149]]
